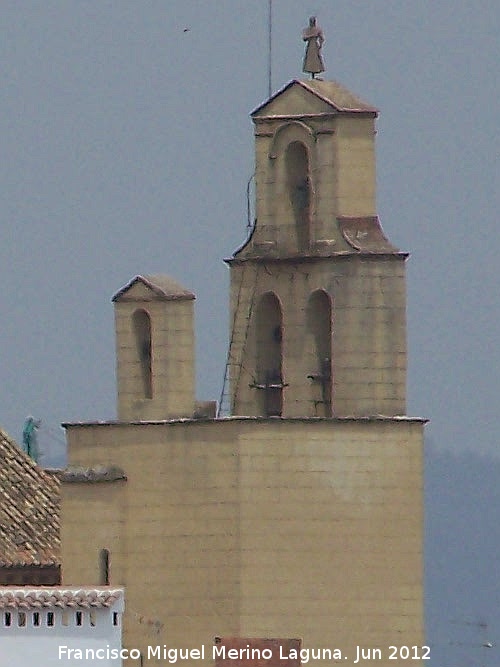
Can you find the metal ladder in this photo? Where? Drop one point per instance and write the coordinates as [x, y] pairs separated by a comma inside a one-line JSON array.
[[235, 359]]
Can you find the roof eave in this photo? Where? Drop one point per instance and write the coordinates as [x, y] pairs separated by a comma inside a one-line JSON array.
[[161, 294], [368, 110]]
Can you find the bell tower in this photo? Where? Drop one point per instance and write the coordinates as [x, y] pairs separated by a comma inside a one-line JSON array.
[[154, 349], [318, 324]]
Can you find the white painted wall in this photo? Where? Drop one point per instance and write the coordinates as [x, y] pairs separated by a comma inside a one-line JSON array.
[[28, 639]]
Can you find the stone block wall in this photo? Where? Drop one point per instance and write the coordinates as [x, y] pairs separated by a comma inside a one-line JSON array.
[[255, 528]]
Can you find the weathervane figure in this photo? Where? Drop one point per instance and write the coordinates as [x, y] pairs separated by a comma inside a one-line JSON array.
[[313, 35]]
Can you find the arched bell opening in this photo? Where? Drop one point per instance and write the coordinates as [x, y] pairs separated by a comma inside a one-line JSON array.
[[320, 352], [269, 355], [299, 187], [142, 331]]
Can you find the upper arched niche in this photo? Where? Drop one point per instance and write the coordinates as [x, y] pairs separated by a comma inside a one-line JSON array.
[[299, 190], [292, 131], [293, 160], [142, 331]]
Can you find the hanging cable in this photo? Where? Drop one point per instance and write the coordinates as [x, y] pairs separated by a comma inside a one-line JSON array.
[[250, 221], [270, 46]]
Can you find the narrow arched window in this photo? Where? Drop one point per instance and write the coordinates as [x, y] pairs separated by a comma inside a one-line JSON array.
[[320, 330], [269, 354], [104, 567], [299, 191], [142, 331]]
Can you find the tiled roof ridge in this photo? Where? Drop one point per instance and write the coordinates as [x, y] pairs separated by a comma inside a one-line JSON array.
[[332, 92], [348, 101], [63, 598], [162, 285]]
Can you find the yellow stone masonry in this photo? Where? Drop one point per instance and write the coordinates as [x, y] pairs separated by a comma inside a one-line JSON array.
[[302, 518], [280, 528]]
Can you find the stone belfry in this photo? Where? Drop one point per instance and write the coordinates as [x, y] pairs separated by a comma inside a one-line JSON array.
[[318, 297], [306, 524]]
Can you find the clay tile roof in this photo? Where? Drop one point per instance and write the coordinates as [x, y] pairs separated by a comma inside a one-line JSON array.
[[29, 509], [163, 287], [333, 93], [337, 95], [60, 597]]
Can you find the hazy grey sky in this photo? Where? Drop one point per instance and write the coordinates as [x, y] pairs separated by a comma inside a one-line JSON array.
[[127, 146]]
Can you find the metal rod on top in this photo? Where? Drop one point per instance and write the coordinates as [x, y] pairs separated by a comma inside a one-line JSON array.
[[270, 46]]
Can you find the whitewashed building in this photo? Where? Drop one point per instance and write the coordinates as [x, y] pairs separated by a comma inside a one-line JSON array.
[[60, 626]]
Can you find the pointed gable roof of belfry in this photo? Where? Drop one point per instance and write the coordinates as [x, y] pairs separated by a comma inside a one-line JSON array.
[[331, 93], [153, 288], [29, 509]]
